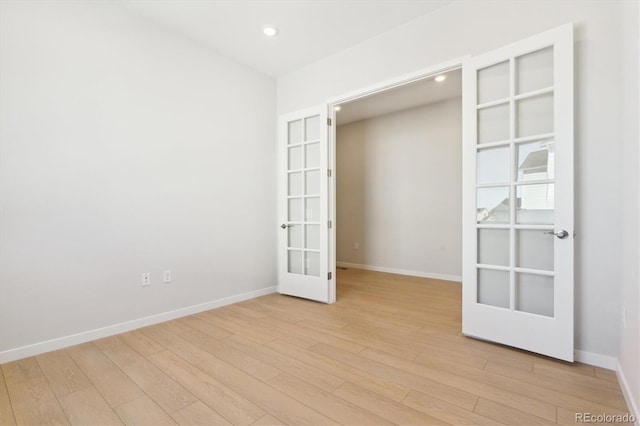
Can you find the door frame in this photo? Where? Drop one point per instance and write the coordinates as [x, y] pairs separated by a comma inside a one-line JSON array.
[[412, 77]]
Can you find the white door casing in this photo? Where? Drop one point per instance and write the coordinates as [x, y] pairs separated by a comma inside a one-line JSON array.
[[517, 190], [303, 220]]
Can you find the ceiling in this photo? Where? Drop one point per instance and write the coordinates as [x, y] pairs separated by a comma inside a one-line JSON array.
[[419, 93], [309, 30]]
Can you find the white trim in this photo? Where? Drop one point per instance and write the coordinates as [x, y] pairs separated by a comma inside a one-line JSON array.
[[409, 272], [98, 333], [595, 359], [626, 392], [397, 81]]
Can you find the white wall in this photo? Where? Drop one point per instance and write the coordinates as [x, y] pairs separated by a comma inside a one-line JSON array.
[[471, 27], [399, 191], [125, 149]]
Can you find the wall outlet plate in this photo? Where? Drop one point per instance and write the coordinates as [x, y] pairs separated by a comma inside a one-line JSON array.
[[166, 276], [146, 279]]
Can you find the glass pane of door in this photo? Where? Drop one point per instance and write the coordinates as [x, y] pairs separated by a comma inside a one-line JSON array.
[[535, 115], [312, 179], [295, 183], [534, 249], [535, 204], [295, 157], [493, 247], [493, 288], [312, 263], [493, 83], [535, 71], [312, 190], [493, 123], [312, 233], [294, 262], [295, 236], [312, 155], [535, 161], [493, 165], [295, 132], [304, 177], [312, 209], [515, 185], [534, 294], [493, 205], [295, 210]]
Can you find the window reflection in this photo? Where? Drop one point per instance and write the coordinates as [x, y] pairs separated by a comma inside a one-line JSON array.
[[536, 161], [493, 205], [534, 201]]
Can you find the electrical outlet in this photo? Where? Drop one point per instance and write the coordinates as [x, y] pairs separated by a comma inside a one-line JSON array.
[[356, 246], [166, 276], [146, 279]]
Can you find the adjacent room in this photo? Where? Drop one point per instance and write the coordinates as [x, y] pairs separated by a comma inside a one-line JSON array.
[[291, 212], [399, 179]]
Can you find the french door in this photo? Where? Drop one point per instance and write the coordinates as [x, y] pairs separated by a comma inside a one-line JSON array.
[[518, 194], [303, 223]]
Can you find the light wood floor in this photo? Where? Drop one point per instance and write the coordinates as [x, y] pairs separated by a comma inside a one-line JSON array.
[[388, 352]]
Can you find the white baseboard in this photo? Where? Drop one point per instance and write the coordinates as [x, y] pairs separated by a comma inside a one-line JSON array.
[[628, 395], [400, 271], [86, 336], [597, 360]]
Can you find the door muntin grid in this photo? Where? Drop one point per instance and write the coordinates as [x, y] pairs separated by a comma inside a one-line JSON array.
[[515, 184], [303, 196]]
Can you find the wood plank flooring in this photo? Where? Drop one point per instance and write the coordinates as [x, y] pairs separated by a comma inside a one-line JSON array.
[[389, 351]]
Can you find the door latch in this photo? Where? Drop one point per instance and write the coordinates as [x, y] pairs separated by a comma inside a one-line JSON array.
[[560, 234]]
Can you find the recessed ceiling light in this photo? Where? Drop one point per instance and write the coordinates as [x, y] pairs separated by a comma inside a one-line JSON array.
[[270, 31], [440, 78], [337, 107]]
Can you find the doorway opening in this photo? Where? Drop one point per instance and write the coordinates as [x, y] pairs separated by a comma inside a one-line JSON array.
[[398, 178]]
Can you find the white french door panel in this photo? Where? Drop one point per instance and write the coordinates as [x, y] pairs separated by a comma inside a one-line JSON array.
[[303, 185], [518, 194]]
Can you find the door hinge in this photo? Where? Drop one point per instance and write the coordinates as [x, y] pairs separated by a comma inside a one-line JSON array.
[[329, 224], [328, 121], [329, 172], [329, 275]]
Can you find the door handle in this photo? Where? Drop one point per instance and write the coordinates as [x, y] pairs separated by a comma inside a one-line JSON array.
[[283, 226], [561, 234]]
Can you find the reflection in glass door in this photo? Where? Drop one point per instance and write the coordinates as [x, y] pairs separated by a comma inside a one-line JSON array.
[[515, 183], [303, 197]]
